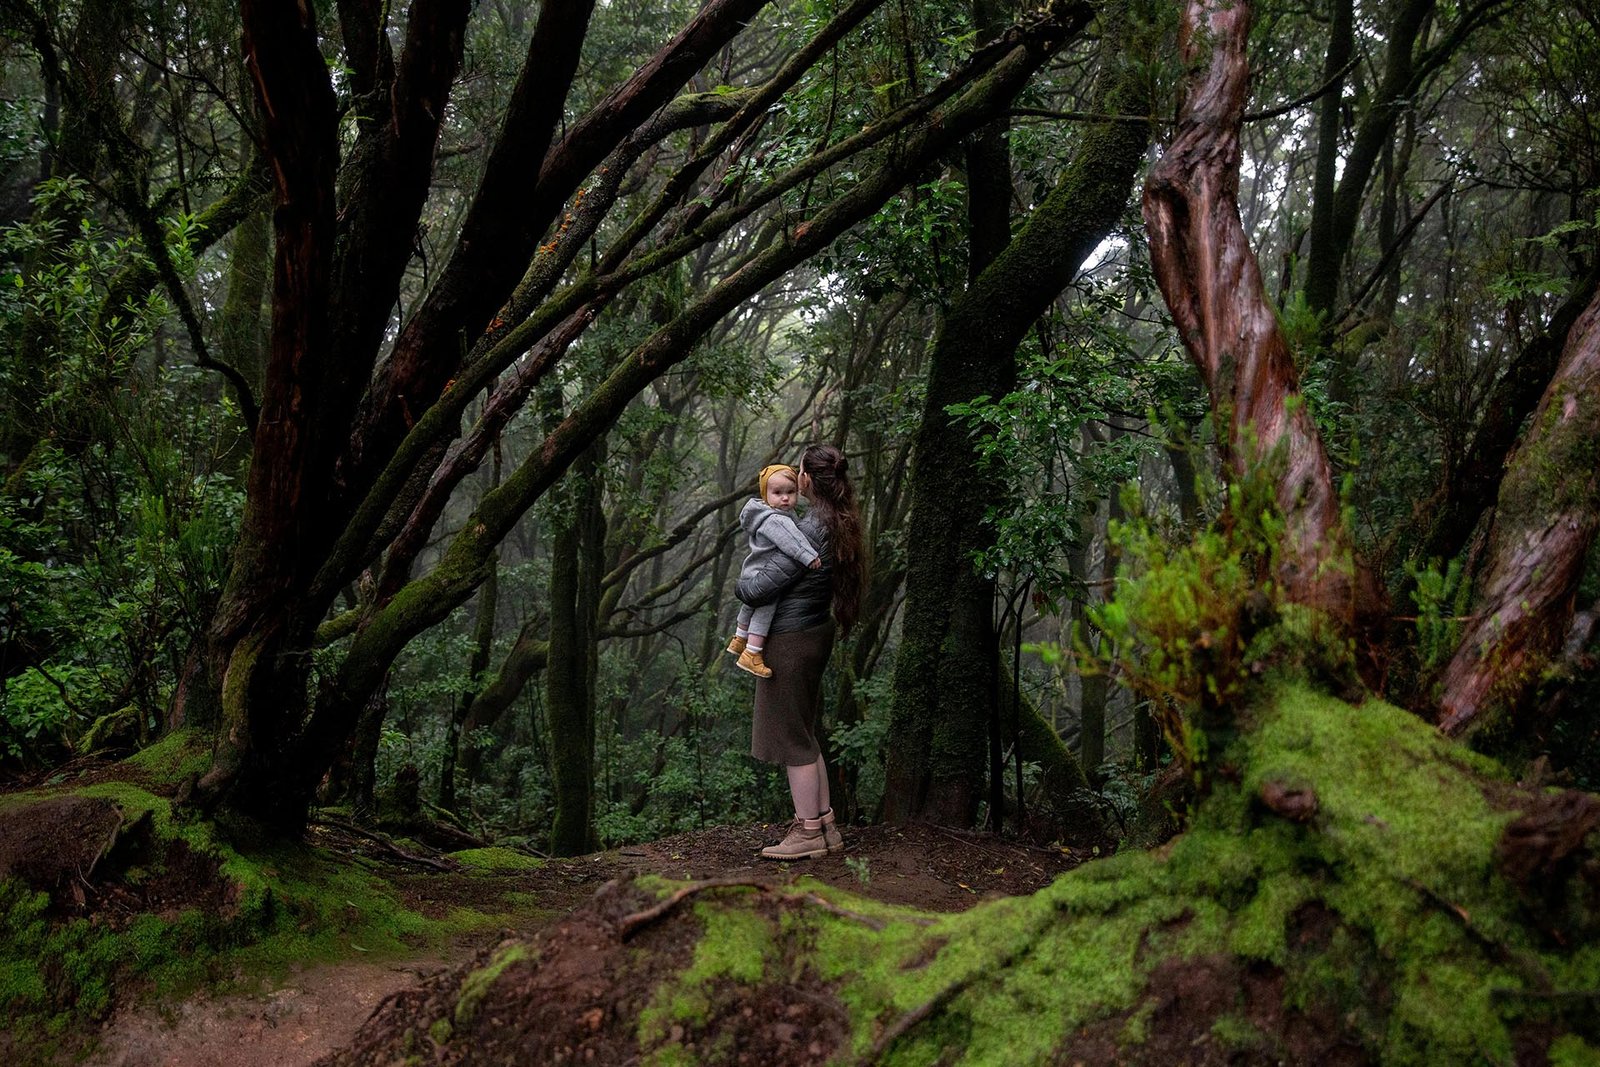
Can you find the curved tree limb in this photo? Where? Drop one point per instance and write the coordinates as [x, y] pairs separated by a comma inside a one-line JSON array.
[[1212, 284]]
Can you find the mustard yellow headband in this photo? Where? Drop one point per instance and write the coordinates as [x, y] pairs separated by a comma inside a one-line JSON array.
[[768, 472]]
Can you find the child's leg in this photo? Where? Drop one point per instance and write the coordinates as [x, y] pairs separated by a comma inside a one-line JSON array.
[[759, 623], [742, 624], [750, 656]]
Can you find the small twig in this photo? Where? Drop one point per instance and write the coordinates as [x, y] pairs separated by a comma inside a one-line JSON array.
[[1301, 101], [632, 924], [967, 840], [919, 1014], [387, 844], [844, 913]]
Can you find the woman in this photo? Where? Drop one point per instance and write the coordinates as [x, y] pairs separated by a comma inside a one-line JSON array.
[[789, 703]]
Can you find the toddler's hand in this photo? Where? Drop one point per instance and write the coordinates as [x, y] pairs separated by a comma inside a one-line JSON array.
[[816, 564]]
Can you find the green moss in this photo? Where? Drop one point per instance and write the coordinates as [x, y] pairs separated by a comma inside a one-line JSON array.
[[1418, 933], [1392, 799], [1569, 1050], [497, 859], [284, 907], [1238, 1034], [1540, 484], [477, 984], [176, 757], [1136, 1031], [672, 1055], [1259, 927], [736, 946], [440, 1031]]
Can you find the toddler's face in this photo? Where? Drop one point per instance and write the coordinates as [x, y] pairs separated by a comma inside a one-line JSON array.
[[781, 492]]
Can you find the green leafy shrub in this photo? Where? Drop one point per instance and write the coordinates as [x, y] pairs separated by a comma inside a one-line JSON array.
[[1192, 622]]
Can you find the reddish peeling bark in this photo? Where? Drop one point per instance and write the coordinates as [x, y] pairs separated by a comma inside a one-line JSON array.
[[1545, 523], [1212, 284]]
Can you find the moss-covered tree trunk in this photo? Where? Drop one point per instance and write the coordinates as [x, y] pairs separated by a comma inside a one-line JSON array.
[[316, 367], [956, 700], [1473, 481], [477, 664], [577, 562], [946, 694], [363, 778], [1544, 525], [527, 657]]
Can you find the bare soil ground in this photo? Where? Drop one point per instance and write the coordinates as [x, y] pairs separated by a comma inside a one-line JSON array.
[[312, 1013]]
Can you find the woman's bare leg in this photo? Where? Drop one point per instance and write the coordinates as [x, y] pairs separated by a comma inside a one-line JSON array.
[[808, 788], [803, 789]]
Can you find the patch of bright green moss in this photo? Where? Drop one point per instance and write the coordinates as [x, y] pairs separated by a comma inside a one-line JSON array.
[[736, 947], [176, 757], [1389, 788], [497, 859], [1569, 1050], [1237, 1034], [477, 984], [1136, 1031]]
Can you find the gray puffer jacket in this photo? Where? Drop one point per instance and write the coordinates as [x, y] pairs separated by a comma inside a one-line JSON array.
[[772, 533], [807, 594]]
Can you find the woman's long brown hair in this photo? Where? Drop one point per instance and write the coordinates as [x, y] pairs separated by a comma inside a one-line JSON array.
[[834, 498]]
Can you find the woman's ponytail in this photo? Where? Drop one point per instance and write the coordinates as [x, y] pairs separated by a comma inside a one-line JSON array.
[[835, 501]]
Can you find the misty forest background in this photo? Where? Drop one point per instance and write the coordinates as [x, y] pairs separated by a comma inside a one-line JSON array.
[[380, 394]]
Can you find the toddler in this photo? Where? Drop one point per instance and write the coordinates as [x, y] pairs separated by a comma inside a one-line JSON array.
[[768, 522]]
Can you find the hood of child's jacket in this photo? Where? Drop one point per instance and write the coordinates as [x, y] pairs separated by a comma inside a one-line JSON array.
[[754, 513]]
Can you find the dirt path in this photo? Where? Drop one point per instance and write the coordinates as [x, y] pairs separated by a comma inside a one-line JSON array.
[[301, 1019], [309, 1014]]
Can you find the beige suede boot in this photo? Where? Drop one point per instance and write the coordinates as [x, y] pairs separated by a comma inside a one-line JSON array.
[[736, 645], [803, 840], [830, 832], [752, 662]]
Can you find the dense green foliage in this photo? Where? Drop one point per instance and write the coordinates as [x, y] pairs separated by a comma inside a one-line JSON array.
[[127, 279]]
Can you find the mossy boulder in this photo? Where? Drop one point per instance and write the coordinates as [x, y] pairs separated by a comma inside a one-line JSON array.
[[1353, 888]]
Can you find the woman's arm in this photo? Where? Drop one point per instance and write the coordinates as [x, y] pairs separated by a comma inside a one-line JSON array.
[[768, 583]]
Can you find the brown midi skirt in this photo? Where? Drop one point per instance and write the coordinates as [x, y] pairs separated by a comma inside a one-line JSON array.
[[789, 703]]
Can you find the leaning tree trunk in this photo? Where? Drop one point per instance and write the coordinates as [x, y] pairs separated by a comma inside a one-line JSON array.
[[1473, 481], [945, 672], [1212, 284], [527, 657], [1545, 522]]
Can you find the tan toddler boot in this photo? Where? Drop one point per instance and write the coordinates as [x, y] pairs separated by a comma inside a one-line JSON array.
[[736, 645], [804, 839], [830, 832], [752, 662]]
